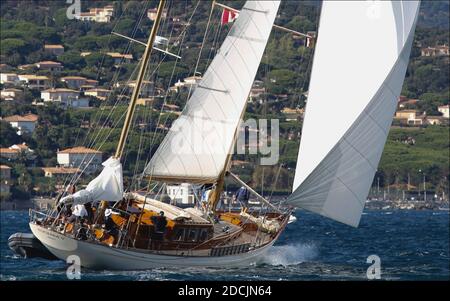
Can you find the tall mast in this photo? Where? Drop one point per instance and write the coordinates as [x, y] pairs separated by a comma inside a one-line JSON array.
[[215, 196], [137, 87]]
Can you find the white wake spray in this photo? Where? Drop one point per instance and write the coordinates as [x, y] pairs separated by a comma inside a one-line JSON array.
[[290, 254]]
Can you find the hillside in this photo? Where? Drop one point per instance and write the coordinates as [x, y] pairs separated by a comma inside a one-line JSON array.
[[284, 74]]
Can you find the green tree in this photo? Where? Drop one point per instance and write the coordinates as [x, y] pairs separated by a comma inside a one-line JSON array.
[[10, 46], [86, 43], [280, 80], [99, 59], [72, 60], [8, 135]]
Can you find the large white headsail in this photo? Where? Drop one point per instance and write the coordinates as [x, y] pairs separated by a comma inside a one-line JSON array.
[[360, 61], [199, 141]]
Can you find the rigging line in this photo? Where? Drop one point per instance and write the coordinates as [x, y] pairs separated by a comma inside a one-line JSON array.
[[300, 64], [267, 67], [104, 54], [137, 117], [147, 116], [93, 140], [100, 132], [205, 39], [128, 47], [308, 52], [276, 181], [181, 37], [166, 95], [311, 59], [232, 45], [183, 34], [170, 38], [262, 181], [117, 72], [106, 138], [75, 143], [164, 102], [139, 149], [214, 44], [188, 24], [79, 130], [109, 40], [201, 47], [83, 144], [156, 69], [141, 137], [309, 66]]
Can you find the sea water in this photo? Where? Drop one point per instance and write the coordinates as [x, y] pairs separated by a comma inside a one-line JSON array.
[[411, 245]]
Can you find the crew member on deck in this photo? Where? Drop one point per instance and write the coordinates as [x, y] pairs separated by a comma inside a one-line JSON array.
[[78, 212], [109, 225], [90, 212], [205, 196], [242, 195], [160, 223]]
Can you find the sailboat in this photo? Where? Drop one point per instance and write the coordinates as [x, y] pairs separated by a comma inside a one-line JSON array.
[[354, 86]]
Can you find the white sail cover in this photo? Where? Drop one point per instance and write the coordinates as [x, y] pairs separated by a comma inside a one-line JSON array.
[[360, 61], [199, 141], [107, 186]]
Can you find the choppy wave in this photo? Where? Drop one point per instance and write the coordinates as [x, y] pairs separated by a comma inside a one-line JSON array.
[[412, 245], [286, 255], [7, 278]]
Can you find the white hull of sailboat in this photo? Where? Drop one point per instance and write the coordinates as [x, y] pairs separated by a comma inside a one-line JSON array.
[[97, 256]]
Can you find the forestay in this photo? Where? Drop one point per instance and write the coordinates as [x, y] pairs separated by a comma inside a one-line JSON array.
[[360, 61], [199, 141]]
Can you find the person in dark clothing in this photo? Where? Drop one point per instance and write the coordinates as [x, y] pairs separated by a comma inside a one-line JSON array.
[[62, 208], [242, 195], [160, 223], [71, 189], [109, 225], [66, 210], [90, 212]]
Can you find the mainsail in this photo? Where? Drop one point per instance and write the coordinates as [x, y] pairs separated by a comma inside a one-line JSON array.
[[360, 61], [199, 141]]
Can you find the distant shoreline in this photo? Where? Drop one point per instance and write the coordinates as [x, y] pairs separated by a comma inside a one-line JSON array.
[[367, 208]]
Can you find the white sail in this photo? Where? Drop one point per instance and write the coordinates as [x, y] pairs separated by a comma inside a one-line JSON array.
[[360, 61], [107, 186], [200, 140]]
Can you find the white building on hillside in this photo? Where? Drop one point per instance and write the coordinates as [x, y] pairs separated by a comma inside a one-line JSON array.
[[39, 82], [25, 123], [444, 110], [181, 194], [97, 14], [11, 94], [49, 65], [9, 78], [80, 157], [54, 49], [77, 82], [99, 93], [65, 97]]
